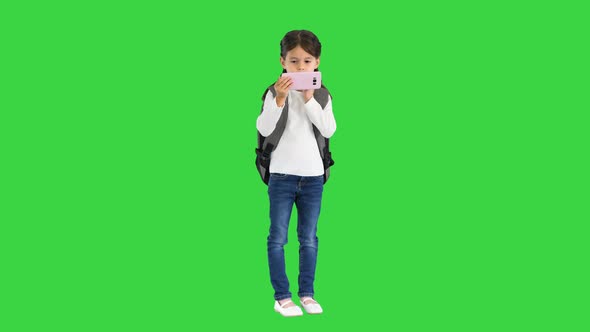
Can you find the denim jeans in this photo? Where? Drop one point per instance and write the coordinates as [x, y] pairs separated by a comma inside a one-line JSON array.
[[306, 193]]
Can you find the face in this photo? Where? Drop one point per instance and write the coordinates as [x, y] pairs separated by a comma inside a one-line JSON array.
[[299, 60]]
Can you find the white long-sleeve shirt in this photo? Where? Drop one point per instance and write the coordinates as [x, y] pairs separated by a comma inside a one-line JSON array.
[[297, 152]]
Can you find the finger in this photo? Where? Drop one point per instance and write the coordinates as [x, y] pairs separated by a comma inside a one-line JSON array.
[[284, 85], [287, 82], [282, 80]]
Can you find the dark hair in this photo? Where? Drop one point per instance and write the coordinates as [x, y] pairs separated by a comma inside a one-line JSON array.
[[308, 41]]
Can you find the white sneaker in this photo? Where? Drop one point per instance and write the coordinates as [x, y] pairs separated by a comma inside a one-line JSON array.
[[311, 306], [288, 312]]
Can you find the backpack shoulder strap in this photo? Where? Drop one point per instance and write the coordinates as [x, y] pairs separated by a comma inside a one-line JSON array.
[[322, 96], [268, 144], [270, 89]]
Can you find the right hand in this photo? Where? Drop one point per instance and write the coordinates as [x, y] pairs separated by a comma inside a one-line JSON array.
[[282, 86]]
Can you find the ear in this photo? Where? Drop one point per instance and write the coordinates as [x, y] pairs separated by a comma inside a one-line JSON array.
[[283, 63], [317, 63]]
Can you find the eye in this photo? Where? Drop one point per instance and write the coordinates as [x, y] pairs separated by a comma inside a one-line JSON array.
[[307, 61]]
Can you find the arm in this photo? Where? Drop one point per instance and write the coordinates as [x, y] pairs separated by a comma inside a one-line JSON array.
[[323, 119], [273, 107], [267, 120]]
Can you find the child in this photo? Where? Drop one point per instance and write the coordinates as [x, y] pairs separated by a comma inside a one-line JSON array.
[[296, 171]]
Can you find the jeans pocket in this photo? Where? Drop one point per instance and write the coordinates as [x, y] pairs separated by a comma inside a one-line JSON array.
[[278, 175]]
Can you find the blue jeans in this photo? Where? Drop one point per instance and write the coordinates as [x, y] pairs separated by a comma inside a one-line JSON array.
[[306, 193]]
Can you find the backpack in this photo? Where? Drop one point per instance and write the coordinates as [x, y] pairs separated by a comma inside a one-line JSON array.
[[266, 145]]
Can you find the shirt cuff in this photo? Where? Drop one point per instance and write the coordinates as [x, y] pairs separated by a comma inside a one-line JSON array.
[[276, 106], [312, 104]]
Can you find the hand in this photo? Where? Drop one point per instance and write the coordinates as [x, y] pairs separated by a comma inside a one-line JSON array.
[[282, 86]]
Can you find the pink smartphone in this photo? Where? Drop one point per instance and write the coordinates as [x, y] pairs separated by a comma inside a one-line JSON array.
[[305, 80]]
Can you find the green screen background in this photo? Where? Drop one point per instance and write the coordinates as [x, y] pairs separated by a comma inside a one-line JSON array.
[[130, 200]]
